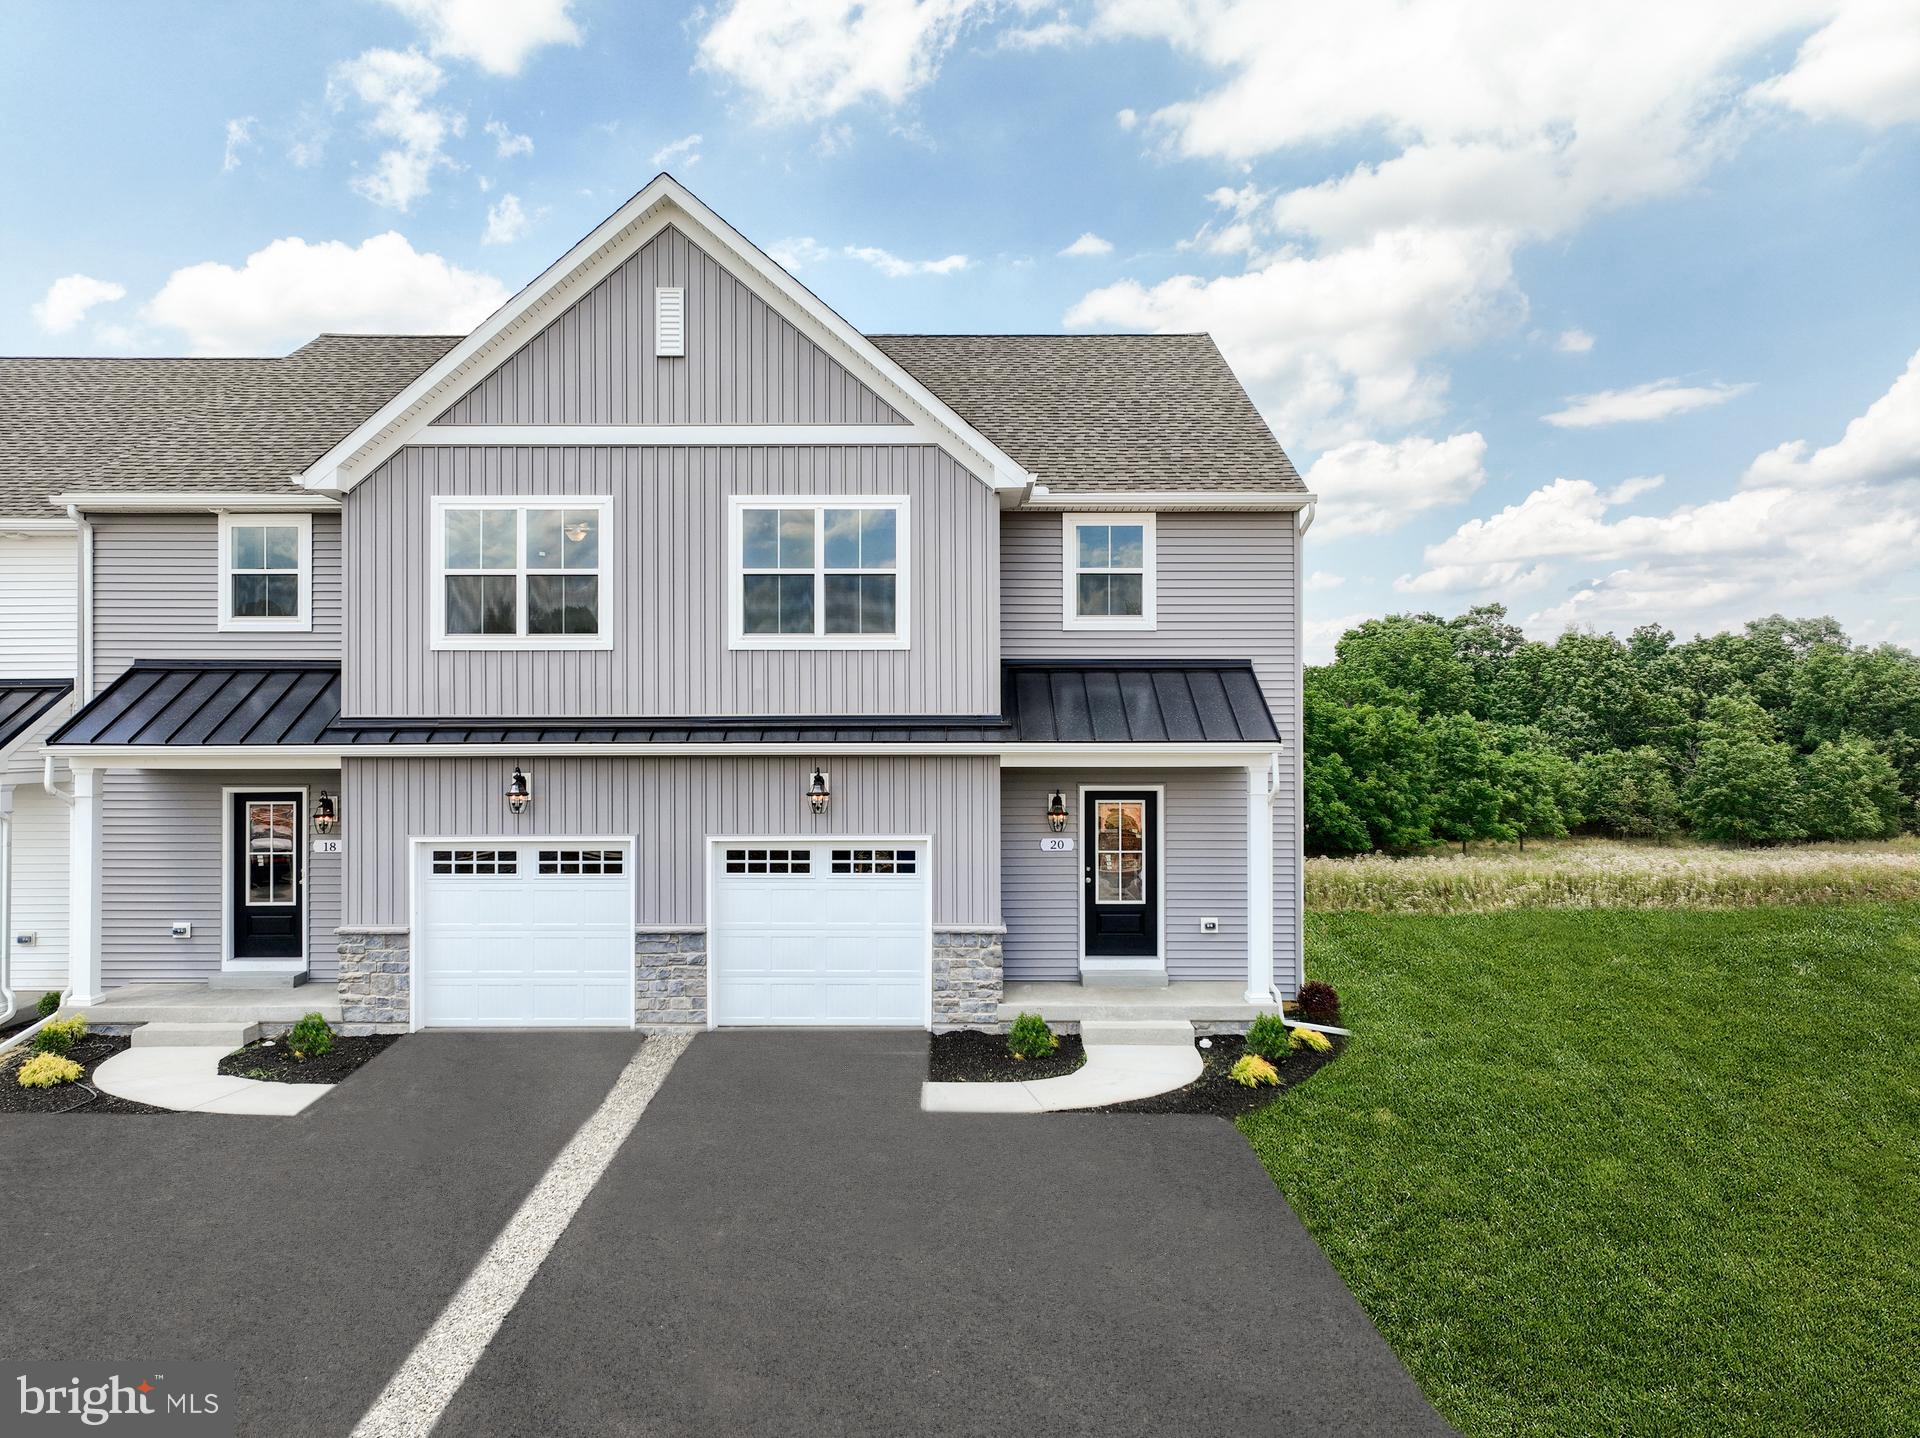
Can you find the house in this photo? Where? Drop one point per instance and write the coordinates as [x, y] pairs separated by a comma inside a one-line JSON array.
[[666, 651]]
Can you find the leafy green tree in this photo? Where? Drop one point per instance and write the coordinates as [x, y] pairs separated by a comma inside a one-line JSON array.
[[1483, 640], [1850, 791], [1586, 693], [1871, 692], [1369, 769], [1743, 788], [1467, 794], [1411, 657], [1539, 786], [1629, 793], [1649, 642]]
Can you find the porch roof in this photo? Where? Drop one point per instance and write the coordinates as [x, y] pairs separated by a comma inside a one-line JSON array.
[[23, 701]]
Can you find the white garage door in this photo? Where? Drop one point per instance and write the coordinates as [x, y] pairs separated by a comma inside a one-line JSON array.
[[525, 935], [820, 933]]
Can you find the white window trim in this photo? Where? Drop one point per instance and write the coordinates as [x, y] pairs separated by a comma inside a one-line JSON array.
[[1070, 618], [231, 623], [441, 640], [901, 638]]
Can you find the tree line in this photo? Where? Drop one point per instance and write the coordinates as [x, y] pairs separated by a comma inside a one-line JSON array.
[[1426, 730]]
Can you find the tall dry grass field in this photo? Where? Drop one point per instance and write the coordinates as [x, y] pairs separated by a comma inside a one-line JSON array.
[[1602, 873]]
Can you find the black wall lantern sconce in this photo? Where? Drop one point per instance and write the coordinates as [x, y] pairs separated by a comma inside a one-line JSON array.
[[1057, 811], [817, 791], [325, 817], [519, 792]]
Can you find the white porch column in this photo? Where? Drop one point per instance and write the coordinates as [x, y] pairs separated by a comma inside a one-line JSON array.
[[1259, 886], [83, 889]]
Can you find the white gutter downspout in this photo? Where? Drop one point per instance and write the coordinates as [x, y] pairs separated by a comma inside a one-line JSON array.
[[7, 1002], [84, 629]]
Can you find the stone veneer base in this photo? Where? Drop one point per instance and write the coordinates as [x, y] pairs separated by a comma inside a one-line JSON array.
[[669, 979], [969, 976], [376, 982]]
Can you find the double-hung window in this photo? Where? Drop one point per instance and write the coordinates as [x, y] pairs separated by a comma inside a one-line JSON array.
[[266, 571], [1109, 568], [523, 573], [819, 573]]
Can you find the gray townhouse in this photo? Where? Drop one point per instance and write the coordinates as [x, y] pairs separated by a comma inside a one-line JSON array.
[[668, 652]]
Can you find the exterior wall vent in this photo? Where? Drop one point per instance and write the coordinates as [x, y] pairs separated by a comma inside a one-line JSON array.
[[669, 321]]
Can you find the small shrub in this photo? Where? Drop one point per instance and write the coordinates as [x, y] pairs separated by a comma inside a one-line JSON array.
[[310, 1038], [49, 1002], [58, 1036], [1030, 1038], [1267, 1037], [1310, 1039], [44, 1070], [1319, 1004], [1253, 1071]]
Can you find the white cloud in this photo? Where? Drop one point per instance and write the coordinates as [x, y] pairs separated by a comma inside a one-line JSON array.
[[239, 137], [292, 289], [687, 148], [1657, 399], [1864, 65], [1089, 244], [506, 144], [395, 86], [506, 221], [1882, 444], [893, 267], [496, 35], [1322, 580], [808, 59], [1318, 636], [798, 251], [1048, 35], [1573, 342], [1127, 118], [1367, 487], [68, 299]]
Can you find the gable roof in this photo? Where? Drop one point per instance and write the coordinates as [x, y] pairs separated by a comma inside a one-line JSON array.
[[1099, 413], [226, 426]]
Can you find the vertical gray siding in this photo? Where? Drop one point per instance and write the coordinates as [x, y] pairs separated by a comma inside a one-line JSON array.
[[671, 806], [1228, 588], [670, 654], [744, 363], [1203, 824], [160, 836], [156, 595]]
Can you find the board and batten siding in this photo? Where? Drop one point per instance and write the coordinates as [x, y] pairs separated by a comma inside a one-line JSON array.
[[156, 595], [670, 572], [39, 606], [744, 362], [1203, 848], [162, 860], [670, 806], [1227, 587]]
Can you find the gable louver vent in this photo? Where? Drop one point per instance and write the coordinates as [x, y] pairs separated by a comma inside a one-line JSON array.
[[669, 321]]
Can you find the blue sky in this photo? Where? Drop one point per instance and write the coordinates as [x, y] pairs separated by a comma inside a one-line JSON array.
[[1610, 314]]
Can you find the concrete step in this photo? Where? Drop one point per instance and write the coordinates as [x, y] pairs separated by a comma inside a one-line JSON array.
[[1171, 1033], [252, 979], [177, 1035], [1095, 975]]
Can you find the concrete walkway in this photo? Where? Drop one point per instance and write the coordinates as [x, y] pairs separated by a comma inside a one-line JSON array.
[[187, 1077], [1125, 1061]]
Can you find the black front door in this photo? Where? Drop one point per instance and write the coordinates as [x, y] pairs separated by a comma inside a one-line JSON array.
[[1122, 874], [268, 892]]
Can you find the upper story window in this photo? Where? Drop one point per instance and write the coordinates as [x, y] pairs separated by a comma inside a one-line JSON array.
[[266, 571], [1109, 569], [522, 573], [819, 573]]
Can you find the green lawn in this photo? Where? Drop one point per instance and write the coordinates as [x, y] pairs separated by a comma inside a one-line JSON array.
[[1624, 1172]]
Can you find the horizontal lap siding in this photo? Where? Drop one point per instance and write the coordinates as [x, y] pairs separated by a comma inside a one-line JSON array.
[[744, 363], [670, 576], [671, 806], [1204, 847], [156, 595], [39, 889], [1227, 589], [39, 605], [162, 864]]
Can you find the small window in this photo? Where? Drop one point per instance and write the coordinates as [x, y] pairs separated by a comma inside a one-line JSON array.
[[769, 861], [873, 861], [521, 574], [476, 861], [582, 861], [669, 321], [820, 573], [266, 571], [1109, 569]]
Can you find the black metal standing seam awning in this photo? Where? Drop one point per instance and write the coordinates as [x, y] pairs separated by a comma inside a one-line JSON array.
[[1174, 701], [23, 702]]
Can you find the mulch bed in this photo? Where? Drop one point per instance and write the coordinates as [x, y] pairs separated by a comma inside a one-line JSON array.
[[80, 1096], [968, 1056], [1213, 1092], [270, 1061]]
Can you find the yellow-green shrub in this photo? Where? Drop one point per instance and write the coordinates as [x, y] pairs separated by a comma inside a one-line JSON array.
[[1253, 1071], [1310, 1039], [1031, 1038], [46, 1070], [58, 1036]]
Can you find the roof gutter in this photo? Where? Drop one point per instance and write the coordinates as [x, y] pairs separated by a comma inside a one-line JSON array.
[[132, 502], [1170, 499], [23, 525]]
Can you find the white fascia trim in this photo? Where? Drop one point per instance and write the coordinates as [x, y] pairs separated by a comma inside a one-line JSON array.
[[400, 420], [293, 501], [1153, 499], [62, 525], [252, 758], [312, 756], [656, 435]]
